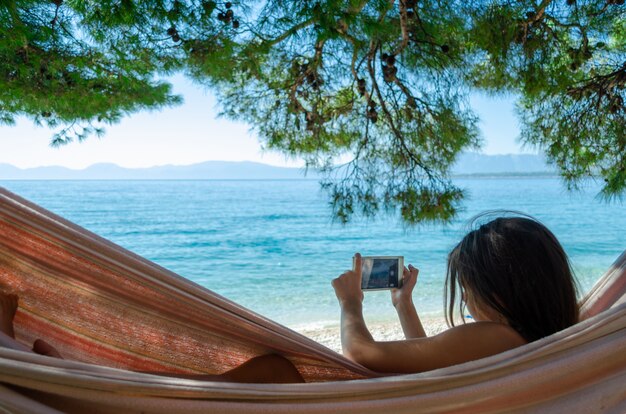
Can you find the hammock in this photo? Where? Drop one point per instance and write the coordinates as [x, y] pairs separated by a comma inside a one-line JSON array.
[[111, 313]]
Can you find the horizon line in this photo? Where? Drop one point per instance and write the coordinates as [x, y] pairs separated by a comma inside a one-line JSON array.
[[112, 163]]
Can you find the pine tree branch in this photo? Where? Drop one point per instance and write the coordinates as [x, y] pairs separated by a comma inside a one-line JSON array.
[[293, 30], [403, 29]]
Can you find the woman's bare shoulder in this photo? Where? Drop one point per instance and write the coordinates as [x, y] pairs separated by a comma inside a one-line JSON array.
[[483, 337], [456, 345]]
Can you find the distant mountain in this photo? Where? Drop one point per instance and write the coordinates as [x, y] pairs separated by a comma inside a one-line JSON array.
[[215, 170], [473, 163], [469, 163]]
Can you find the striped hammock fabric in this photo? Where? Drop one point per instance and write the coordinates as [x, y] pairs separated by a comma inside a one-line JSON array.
[[112, 313]]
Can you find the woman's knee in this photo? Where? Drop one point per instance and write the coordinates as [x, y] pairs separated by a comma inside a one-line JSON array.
[[275, 368]]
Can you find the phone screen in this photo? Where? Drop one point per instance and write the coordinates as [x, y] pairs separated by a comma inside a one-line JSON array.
[[381, 272]]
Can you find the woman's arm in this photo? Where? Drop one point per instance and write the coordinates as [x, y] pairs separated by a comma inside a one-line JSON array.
[[402, 300], [461, 344], [355, 337], [457, 345], [354, 334]]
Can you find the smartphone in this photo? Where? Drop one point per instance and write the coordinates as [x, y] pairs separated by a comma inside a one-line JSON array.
[[381, 272]]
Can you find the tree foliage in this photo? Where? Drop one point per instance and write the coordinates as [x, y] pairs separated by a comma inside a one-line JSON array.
[[383, 83]]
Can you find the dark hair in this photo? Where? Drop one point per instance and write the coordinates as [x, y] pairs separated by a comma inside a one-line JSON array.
[[516, 266]]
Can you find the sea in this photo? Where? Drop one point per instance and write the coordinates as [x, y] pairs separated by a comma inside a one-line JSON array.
[[273, 246]]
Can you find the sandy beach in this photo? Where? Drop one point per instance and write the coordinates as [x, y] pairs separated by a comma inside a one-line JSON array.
[[328, 335]]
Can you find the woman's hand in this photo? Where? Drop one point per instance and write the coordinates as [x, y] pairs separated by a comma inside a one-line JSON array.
[[402, 300], [403, 296], [348, 285]]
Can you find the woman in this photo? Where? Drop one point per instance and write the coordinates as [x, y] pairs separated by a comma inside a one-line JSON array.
[[514, 279]]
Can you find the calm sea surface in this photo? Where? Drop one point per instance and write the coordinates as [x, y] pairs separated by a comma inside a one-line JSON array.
[[272, 246]]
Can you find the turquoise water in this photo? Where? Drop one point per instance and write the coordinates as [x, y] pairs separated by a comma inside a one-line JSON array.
[[272, 246]]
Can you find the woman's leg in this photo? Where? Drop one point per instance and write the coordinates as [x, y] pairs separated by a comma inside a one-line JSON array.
[[8, 307], [265, 369], [274, 369], [41, 347]]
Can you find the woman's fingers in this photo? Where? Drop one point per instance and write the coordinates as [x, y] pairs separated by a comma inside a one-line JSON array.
[[358, 263], [348, 285], [410, 276], [345, 281]]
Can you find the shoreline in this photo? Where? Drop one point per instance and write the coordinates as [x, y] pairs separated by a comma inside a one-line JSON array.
[[329, 334]]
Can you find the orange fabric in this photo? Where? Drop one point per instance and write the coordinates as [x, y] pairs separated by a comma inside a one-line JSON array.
[[579, 370], [111, 311], [101, 304]]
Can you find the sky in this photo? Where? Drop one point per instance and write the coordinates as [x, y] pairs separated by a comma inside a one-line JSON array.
[[192, 133]]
